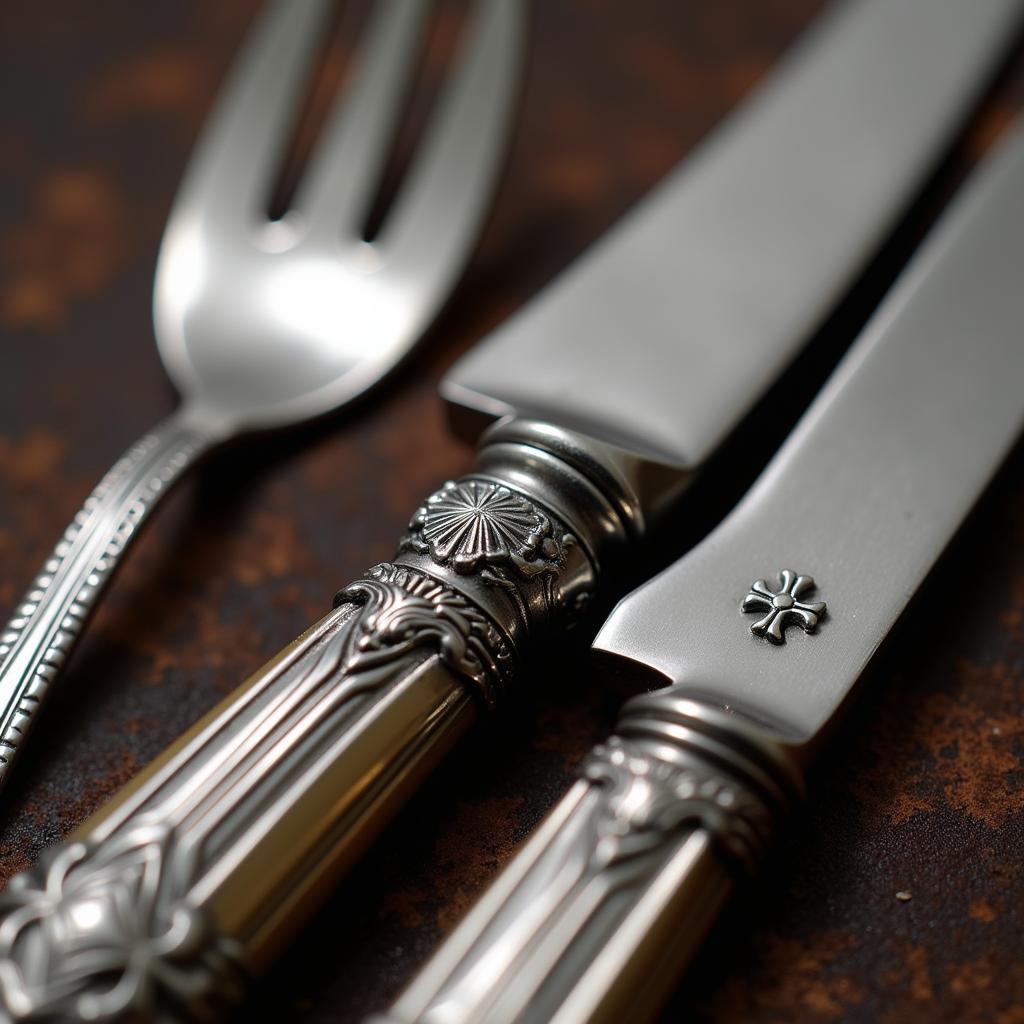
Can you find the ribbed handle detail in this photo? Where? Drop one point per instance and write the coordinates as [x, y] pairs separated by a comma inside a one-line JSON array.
[[50, 617], [164, 903], [592, 922]]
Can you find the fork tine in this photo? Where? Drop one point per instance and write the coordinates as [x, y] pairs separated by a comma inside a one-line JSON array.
[[239, 152], [342, 173], [436, 213]]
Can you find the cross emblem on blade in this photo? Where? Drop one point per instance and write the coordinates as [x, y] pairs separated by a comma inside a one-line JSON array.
[[783, 607]]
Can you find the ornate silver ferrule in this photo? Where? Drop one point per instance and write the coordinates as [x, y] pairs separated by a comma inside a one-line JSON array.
[[510, 552], [676, 762]]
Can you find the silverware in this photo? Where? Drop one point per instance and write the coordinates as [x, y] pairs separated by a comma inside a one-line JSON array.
[[596, 916], [223, 846], [263, 323]]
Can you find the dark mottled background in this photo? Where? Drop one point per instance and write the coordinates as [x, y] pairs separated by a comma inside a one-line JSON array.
[[923, 790]]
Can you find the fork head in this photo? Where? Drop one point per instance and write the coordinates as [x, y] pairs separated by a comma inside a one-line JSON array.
[[262, 323]]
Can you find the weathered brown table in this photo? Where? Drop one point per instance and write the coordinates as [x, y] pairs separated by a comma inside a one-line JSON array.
[[924, 793]]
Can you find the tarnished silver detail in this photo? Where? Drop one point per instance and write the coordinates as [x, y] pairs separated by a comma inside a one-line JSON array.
[[124, 923], [488, 538], [677, 761], [648, 799], [264, 323], [404, 610], [782, 607], [473, 524], [105, 933]]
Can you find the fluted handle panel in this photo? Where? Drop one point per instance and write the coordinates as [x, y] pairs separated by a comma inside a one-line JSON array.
[[164, 903], [592, 922]]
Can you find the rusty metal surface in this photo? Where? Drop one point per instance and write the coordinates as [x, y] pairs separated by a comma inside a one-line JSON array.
[[923, 792]]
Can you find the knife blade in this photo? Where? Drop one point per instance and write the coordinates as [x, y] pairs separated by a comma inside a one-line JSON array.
[[597, 915], [668, 329], [246, 822]]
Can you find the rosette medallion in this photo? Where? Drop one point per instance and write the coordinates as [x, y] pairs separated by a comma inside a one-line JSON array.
[[470, 524]]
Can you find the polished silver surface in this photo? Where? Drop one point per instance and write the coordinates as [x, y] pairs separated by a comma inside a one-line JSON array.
[[670, 328], [264, 323], [869, 488], [592, 921]]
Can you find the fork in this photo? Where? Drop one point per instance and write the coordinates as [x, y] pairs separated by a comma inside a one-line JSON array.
[[265, 323]]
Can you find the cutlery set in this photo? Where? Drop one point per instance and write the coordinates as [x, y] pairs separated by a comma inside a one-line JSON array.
[[607, 393]]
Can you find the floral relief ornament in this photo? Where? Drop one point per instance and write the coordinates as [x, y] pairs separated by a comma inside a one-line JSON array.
[[471, 524], [782, 607]]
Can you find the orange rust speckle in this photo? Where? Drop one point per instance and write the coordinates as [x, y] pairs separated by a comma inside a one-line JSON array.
[[33, 459], [270, 546], [70, 244], [904, 806], [172, 84], [970, 977], [920, 978], [78, 196], [406, 904], [982, 910], [483, 843], [577, 177], [32, 301], [972, 760], [212, 644], [801, 977]]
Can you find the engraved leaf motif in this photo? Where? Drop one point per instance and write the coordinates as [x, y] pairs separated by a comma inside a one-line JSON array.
[[404, 610]]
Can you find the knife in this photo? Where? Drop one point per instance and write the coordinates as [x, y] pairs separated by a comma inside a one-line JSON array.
[[596, 916], [206, 865]]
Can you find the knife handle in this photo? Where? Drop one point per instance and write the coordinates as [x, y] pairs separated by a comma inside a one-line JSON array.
[[197, 873], [593, 920]]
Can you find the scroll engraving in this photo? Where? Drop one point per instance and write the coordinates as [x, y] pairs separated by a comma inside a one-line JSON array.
[[104, 932], [405, 610], [782, 606], [647, 800]]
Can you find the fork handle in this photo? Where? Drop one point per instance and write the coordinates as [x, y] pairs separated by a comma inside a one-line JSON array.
[[50, 617], [165, 901]]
